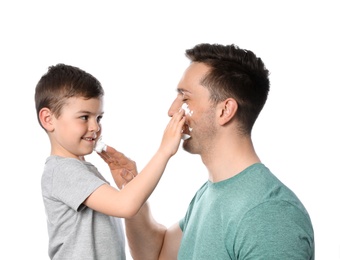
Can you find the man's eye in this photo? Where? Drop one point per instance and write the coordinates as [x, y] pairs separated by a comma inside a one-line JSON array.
[[184, 97]]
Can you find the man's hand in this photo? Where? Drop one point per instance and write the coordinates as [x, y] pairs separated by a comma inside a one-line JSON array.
[[122, 168]]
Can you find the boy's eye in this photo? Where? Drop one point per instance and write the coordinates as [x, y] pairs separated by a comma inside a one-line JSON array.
[[99, 118], [84, 117]]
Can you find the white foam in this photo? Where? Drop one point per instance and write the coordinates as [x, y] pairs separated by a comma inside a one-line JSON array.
[[187, 110], [185, 136], [100, 146]]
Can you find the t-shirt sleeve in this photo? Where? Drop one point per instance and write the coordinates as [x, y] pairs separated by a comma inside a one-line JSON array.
[[181, 224], [73, 183], [183, 221], [275, 230]]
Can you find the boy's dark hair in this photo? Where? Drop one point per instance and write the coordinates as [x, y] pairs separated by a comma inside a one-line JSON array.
[[61, 82], [235, 73]]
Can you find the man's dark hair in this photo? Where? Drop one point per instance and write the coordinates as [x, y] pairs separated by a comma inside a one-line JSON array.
[[235, 73]]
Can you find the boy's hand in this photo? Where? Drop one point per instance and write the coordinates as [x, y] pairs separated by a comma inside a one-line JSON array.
[[122, 168], [173, 133]]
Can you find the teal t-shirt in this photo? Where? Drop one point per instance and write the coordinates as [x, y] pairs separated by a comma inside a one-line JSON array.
[[249, 216]]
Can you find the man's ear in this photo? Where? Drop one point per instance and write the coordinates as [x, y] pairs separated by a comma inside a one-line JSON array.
[[228, 110], [46, 119]]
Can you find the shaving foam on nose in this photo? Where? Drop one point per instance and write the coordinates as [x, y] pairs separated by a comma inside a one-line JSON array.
[[100, 146], [186, 109]]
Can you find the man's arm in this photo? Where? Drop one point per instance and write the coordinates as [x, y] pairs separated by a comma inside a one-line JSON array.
[[172, 241], [149, 240], [123, 169]]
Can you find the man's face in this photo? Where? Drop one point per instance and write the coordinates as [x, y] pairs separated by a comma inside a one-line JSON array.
[[200, 119]]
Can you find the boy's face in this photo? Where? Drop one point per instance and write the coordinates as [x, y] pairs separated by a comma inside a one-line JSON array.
[[77, 128]]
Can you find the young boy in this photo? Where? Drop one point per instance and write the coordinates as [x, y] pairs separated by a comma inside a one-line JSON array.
[[83, 210]]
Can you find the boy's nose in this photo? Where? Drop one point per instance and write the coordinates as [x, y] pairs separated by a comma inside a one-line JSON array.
[[95, 127]]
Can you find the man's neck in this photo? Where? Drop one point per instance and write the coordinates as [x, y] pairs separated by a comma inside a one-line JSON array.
[[227, 160]]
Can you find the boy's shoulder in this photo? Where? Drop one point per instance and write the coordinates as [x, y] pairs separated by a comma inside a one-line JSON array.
[[57, 162]]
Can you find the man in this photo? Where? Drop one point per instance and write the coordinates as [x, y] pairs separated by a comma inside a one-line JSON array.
[[243, 211]]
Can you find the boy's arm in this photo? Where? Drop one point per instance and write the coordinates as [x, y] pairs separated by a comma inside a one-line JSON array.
[[145, 236], [127, 202], [147, 239]]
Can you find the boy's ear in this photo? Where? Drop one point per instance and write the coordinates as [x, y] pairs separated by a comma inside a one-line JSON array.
[[228, 110], [46, 119]]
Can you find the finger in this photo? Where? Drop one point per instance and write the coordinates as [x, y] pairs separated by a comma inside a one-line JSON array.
[[117, 159], [175, 125], [127, 175], [177, 120], [106, 157], [113, 153]]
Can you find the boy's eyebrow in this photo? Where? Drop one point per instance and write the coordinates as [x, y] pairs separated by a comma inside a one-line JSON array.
[[88, 112]]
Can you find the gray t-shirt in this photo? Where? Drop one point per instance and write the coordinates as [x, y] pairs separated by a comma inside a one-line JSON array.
[[76, 231]]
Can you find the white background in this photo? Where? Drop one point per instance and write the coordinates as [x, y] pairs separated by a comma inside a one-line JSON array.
[[136, 49]]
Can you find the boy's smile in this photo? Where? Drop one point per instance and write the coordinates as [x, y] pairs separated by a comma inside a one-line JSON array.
[[77, 128]]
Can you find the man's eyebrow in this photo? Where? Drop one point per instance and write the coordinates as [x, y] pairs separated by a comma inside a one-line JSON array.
[[182, 91]]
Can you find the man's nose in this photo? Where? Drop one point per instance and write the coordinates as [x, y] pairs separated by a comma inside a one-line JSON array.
[[175, 107]]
